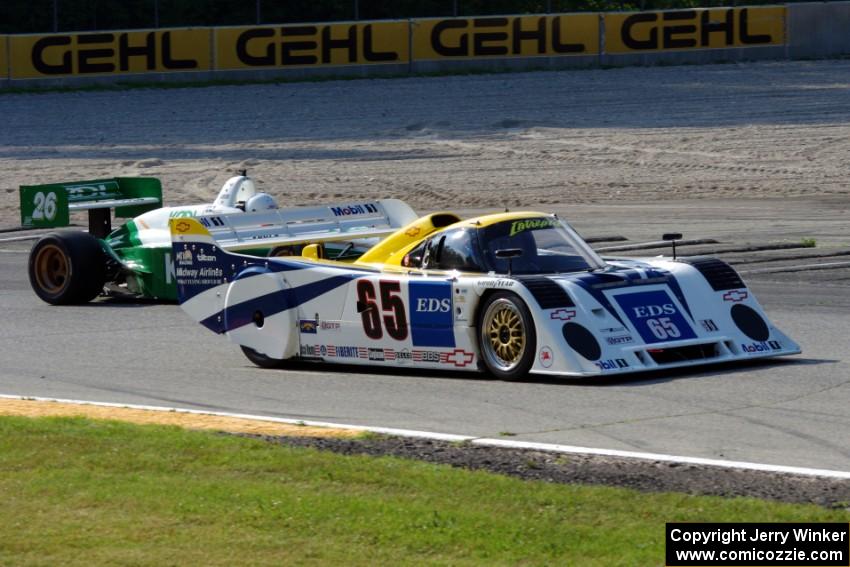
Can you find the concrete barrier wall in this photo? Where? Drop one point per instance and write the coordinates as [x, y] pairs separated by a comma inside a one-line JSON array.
[[428, 45]]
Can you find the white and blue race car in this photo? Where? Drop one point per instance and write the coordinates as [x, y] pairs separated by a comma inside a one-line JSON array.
[[510, 293]]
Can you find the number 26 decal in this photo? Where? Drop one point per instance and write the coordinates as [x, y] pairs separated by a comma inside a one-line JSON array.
[[392, 308]]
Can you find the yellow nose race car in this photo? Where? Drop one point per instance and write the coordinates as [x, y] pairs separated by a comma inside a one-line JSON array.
[[511, 293]]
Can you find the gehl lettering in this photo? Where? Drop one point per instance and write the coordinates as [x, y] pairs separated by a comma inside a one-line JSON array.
[[307, 45], [96, 53], [489, 36], [688, 28]]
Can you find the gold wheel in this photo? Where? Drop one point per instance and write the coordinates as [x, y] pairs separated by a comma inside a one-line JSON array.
[[504, 335], [52, 270]]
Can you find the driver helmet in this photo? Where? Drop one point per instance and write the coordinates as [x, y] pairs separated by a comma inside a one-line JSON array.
[[260, 202]]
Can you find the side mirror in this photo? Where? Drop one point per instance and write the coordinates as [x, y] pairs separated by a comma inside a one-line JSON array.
[[672, 237], [509, 253]]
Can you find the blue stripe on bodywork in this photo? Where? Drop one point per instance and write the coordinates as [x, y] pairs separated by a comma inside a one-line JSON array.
[[241, 314], [595, 285]]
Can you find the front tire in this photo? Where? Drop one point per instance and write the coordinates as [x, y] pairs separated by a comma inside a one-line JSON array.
[[261, 359], [67, 267], [507, 339]]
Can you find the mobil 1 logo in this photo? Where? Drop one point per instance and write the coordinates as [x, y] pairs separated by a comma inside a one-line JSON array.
[[655, 316]]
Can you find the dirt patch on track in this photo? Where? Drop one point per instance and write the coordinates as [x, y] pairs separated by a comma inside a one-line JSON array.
[[34, 408]]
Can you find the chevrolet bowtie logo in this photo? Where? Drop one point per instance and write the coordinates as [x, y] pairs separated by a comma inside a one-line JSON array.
[[459, 357], [563, 314], [735, 295], [413, 231]]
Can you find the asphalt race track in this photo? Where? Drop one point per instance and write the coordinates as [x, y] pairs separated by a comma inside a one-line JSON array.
[[789, 412]]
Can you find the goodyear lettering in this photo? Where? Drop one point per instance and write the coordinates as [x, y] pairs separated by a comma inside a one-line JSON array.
[[109, 53], [433, 305], [694, 29], [309, 45], [654, 310], [365, 209], [531, 224]]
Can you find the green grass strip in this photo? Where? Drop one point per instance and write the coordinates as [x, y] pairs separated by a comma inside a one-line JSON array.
[[81, 492]]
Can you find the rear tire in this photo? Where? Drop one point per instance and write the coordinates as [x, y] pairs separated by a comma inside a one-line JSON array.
[[67, 267], [261, 359], [507, 339]]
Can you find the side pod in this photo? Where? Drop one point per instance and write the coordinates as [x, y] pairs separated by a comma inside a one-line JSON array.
[[244, 297]]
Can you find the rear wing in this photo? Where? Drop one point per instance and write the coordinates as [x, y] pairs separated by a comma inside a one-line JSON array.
[[302, 225], [48, 206]]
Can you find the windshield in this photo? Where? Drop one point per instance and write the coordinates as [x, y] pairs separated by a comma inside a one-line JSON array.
[[538, 245]]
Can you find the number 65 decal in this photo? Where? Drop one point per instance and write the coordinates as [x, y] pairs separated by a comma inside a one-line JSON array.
[[392, 307]]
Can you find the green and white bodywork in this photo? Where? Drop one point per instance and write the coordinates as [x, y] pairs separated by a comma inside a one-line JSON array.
[[138, 255]]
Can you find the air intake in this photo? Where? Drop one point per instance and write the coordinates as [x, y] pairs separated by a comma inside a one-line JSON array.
[[548, 293], [719, 274]]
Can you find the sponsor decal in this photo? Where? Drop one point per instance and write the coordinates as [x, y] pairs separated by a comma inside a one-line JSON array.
[[403, 356], [413, 231], [182, 226], [184, 257], [307, 326], [736, 295], [311, 45], [495, 284], [709, 325], [330, 325], [351, 210], [458, 357], [612, 364], [619, 340], [546, 357], [107, 190], [431, 319], [655, 316], [377, 354], [343, 351], [310, 350], [694, 29], [100, 53], [506, 36], [613, 329], [531, 224], [426, 356], [763, 346], [205, 257], [181, 214], [563, 314]]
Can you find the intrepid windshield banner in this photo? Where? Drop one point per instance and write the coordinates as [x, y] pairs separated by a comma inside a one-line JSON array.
[[506, 36], [713, 28], [311, 45], [110, 53]]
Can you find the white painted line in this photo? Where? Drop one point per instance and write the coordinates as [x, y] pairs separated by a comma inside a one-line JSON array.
[[551, 447], [20, 238], [797, 268]]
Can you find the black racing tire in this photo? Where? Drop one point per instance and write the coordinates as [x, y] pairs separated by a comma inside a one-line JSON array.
[[507, 339], [261, 359], [67, 267]]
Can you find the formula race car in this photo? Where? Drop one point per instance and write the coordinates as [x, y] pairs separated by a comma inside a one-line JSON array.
[[511, 293], [74, 267]]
